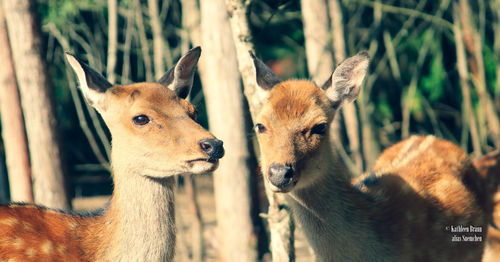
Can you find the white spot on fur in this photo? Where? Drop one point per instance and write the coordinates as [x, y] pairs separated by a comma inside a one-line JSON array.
[[47, 247], [72, 225], [27, 226], [18, 243], [9, 221], [30, 252]]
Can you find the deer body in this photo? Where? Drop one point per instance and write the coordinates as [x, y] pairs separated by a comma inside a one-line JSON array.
[[406, 209], [154, 138], [489, 168], [32, 233]]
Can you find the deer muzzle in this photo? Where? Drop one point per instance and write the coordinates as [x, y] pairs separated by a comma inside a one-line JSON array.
[[281, 176]]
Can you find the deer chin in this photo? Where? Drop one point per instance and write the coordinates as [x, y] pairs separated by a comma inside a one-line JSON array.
[[202, 165], [195, 166], [283, 189]]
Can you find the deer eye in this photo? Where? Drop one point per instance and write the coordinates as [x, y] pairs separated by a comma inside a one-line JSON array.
[[260, 128], [141, 120], [319, 129]]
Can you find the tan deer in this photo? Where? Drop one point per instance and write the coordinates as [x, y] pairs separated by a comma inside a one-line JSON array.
[[155, 138], [489, 168], [416, 204]]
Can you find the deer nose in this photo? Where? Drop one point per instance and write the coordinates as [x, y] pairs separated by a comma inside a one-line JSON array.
[[212, 147], [280, 175]]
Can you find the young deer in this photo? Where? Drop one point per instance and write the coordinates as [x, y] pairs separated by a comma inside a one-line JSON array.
[[489, 168], [155, 138], [421, 194]]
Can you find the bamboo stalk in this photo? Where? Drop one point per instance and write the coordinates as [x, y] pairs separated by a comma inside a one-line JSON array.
[[159, 66], [146, 56], [126, 48], [468, 114], [77, 101], [486, 110], [112, 39], [349, 110], [495, 7]]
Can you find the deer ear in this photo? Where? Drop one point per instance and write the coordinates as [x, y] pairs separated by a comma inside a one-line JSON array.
[[180, 77], [344, 84], [92, 84], [266, 79]]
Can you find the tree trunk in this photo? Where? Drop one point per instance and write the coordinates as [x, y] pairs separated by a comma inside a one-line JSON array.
[[112, 39], [191, 20], [196, 220], [468, 114], [318, 39], [191, 23], [242, 38], [279, 218], [157, 39], [34, 85], [227, 121], [14, 136]]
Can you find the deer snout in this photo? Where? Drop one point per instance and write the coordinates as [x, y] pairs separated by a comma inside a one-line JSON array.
[[280, 175], [212, 147]]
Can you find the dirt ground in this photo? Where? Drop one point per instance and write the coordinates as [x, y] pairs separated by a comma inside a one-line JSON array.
[[184, 218]]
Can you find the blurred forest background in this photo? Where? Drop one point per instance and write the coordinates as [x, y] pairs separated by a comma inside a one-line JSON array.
[[434, 69]]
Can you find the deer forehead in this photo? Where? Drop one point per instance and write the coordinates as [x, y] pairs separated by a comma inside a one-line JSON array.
[[296, 103], [151, 97]]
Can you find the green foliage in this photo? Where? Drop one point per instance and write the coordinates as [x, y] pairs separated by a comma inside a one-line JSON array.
[[415, 102], [385, 110], [60, 11], [433, 82], [490, 68], [278, 34]]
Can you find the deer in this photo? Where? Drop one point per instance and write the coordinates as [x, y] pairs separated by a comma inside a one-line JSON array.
[[154, 138], [422, 201], [488, 167]]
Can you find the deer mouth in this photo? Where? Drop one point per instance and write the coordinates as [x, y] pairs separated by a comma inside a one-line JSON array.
[[203, 165], [283, 188], [209, 160]]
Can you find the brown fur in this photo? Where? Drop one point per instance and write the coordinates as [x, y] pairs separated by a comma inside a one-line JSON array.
[[489, 168], [139, 224], [402, 211], [31, 233]]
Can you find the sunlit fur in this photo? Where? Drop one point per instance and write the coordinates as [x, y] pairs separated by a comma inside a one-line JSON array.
[[401, 211], [293, 108], [166, 145]]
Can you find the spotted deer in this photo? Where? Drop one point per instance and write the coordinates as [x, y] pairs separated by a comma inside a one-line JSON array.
[[154, 138], [489, 168], [422, 201]]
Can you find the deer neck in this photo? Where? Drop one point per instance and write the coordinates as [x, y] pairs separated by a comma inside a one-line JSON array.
[[334, 215], [141, 217], [331, 179]]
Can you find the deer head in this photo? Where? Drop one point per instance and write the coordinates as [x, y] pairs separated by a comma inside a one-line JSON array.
[[152, 125], [293, 123]]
